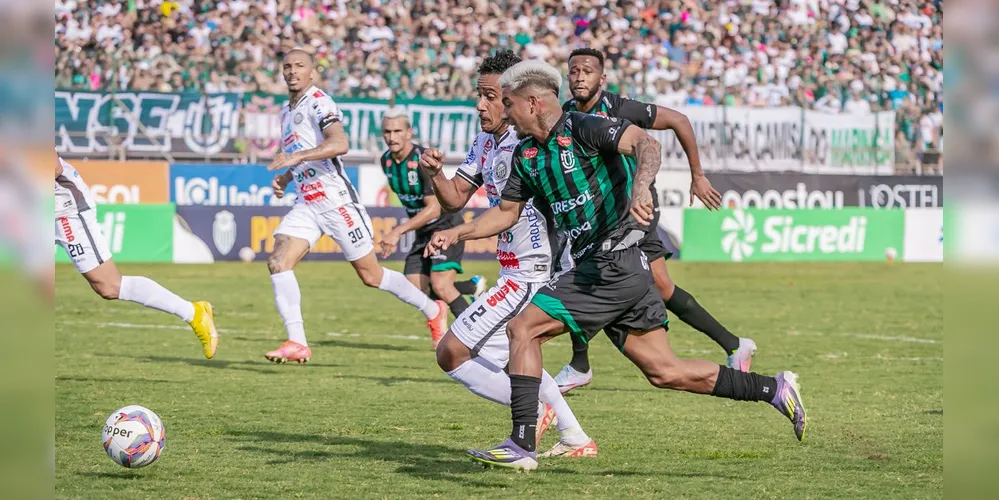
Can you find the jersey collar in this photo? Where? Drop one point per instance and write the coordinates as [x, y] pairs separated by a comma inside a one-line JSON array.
[[595, 106], [557, 127], [309, 91]]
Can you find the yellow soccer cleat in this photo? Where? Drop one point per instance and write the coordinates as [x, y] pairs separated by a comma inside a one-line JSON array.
[[204, 328]]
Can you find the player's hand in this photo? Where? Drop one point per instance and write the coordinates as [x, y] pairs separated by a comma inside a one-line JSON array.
[[700, 187], [282, 161], [278, 184], [641, 207], [389, 243], [432, 161], [441, 241]]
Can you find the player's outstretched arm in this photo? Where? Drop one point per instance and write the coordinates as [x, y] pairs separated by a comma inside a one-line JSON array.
[[490, 223], [638, 144], [453, 194], [700, 187]]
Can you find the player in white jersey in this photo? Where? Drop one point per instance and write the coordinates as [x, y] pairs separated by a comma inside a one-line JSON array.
[[475, 350], [77, 232], [313, 139]]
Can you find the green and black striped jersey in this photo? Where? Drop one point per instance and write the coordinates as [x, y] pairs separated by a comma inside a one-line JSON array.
[[411, 185], [614, 106], [578, 178]]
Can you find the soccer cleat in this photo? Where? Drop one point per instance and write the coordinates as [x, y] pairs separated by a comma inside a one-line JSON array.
[[788, 401], [204, 327], [569, 379], [438, 324], [742, 358], [507, 455], [545, 420], [567, 450], [290, 351], [480, 285]]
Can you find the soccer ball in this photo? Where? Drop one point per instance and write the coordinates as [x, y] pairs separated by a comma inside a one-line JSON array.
[[891, 254], [246, 254], [133, 436]]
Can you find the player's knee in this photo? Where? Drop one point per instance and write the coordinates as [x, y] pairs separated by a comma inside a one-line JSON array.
[[107, 290], [516, 330], [441, 285], [664, 378], [276, 264], [451, 353], [370, 278]]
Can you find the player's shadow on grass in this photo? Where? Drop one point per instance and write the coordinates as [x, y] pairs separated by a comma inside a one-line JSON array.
[[390, 381], [116, 380], [112, 475], [261, 366], [340, 342], [424, 461]]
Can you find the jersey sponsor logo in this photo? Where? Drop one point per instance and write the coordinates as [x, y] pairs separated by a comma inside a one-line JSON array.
[[508, 148], [505, 237], [487, 147], [307, 173], [568, 161], [67, 229], [601, 113], [561, 206], [291, 139], [540, 268], [579, 253], [535, 228], [613, 132], [530, 153], [576, 231], [342, 210], [319, 93], [491, 190], [648, 109], [564, 141], [410, 198], [508, 259], [509, 287], [607, 102], [412, 165], [313, 192], [388, 163]]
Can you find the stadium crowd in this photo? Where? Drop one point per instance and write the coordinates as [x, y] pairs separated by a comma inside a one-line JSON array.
[[837, 56]]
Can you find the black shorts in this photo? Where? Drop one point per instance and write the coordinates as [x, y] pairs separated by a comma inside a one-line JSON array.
[[449, 259], [652, 245], [609, 291]]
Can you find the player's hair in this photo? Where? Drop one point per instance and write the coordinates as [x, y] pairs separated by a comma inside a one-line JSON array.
[[499, 62], [396, 112], [532, 74], [587, 51], [299, 49]]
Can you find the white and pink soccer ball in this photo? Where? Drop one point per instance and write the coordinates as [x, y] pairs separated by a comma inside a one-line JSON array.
[[133, 436]]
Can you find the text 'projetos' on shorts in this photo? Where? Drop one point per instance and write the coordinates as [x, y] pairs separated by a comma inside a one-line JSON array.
[[348, 225], [83, 240], [609, 291], [482, 327]]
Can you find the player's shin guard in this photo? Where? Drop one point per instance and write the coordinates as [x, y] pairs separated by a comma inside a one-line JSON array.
[[396, 283], [149, 293], [484, 380], [742, 386], [288, 299], [685, 307], [524, 409]]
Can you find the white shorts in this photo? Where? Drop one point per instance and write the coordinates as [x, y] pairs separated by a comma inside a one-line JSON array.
[[83, 240], [348, 225], [482, 327]]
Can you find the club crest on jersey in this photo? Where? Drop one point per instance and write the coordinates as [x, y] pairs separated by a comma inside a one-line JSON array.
[[530, 153], [568, 161], [501, 171], [564, 141], [299, 118]]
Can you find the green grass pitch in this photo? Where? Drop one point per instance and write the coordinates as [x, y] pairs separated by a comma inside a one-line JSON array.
[[372, 416]]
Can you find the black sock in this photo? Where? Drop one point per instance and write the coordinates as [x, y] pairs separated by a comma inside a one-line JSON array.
[[742, 386], [580, 359], [458, 306], [466, 287], [524, 408], [685, 307]]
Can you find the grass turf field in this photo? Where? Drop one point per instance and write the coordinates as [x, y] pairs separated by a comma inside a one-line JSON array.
[[373, 417]]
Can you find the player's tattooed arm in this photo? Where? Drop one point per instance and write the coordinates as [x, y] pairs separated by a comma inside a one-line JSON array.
[[638, 144], [490, 223]]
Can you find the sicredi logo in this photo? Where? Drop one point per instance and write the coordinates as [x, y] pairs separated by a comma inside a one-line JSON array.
[[782, 234]]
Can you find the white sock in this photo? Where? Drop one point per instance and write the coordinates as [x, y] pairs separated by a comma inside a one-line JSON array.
[[288, 298], [149, 293], [568, 427], [484, 379], [395, 283]]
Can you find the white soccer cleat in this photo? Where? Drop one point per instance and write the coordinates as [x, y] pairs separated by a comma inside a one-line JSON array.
[[567, 450], [568, 379], [742, 358], [480, 285]]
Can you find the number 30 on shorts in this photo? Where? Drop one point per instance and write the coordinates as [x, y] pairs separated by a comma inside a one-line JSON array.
[[356, 235]]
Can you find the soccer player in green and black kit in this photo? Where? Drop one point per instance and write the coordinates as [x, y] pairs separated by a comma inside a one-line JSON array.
[[580, 170], [586, 78], [401, 166]]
